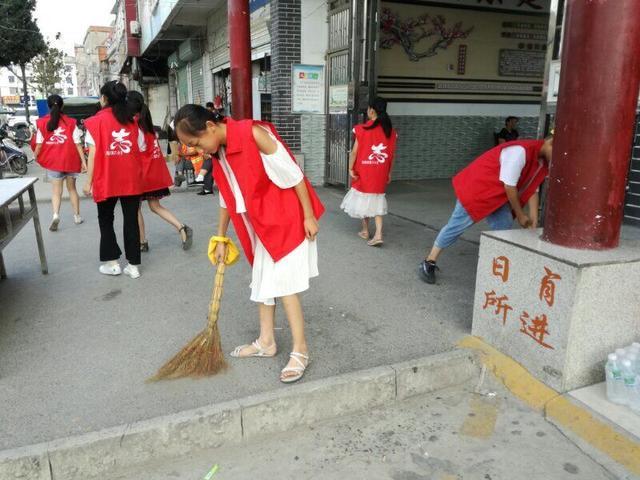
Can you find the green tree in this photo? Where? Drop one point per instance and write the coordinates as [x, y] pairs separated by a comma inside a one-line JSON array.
[[48, 68], [20, 38]]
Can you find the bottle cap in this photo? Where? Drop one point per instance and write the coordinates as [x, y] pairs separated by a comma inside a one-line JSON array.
[[612, 357]]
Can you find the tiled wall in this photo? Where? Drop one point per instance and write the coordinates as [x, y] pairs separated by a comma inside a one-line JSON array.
[[428, 146], [285, 51], [314, 147], [439, 146]]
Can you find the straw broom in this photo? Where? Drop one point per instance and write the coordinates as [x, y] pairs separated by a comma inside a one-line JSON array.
[[203, 355]]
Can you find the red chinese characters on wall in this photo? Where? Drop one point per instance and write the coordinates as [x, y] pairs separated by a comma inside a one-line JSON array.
[[502, 308], [535, 327], [548, 287], [501, 268]]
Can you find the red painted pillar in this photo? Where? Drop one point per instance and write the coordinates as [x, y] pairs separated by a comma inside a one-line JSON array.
[[599, 83], [240, 56]]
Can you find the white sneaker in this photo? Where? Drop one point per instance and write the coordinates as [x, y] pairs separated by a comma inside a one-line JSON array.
[[200, 179], [110, 268], [77, 219], [132, 271], [53, 226]]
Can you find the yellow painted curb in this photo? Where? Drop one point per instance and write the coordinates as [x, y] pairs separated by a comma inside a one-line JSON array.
[[538, 396]]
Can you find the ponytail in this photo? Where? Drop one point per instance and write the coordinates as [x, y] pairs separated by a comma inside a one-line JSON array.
[[55, 104], [192, 119], [136, 104], [379, 105], [116, 94]]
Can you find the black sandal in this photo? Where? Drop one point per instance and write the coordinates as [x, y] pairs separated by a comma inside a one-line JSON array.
[[188, 233]]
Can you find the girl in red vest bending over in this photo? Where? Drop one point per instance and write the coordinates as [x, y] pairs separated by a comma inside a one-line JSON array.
[[370, 166], [495, 186], [275, 214], [59, 150], [115, 173], [155, 175]]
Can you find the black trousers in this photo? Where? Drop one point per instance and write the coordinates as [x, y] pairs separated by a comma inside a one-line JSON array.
[[109, 248]]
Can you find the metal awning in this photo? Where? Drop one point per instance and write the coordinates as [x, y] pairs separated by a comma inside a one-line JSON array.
[[188, 19]]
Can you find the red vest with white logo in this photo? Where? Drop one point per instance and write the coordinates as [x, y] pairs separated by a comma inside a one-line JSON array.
[[58, 151], [374, 158], [155, 173], [275, 214], [478, 186], [117, 170]]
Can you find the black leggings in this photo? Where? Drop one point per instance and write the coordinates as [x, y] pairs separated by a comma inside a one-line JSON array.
[[208, 178], [109, 248]]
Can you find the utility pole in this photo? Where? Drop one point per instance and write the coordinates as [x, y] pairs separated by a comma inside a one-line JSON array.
[[240, 57]]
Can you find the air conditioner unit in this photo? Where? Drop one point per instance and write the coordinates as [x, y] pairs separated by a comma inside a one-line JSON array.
[[190, 50], [135, 28]]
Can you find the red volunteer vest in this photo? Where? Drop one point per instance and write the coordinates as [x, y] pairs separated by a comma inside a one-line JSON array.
[[478, 186], [117, 170], [58, 151], [155, 173], [374, 158], [275, 214]]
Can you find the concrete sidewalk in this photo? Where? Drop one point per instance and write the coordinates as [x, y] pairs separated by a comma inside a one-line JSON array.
[[429, 203], [451, 434], [76, 347]]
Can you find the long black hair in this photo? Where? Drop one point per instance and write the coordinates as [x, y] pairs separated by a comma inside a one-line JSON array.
[[192, 119], [138, 107], [116, 94], [379, 105], [55, 104]]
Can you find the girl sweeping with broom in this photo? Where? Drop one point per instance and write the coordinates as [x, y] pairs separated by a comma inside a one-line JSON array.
[[275, 213]]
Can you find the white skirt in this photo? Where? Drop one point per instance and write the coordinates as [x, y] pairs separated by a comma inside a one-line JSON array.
[[290, 275], [364, 205]]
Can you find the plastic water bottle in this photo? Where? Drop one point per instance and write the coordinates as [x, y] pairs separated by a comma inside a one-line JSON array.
[[614, 379], [629, 380], [635, 403], [634, 349], [632, 356]]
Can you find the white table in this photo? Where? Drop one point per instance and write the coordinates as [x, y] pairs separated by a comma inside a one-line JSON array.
[[13, 217]]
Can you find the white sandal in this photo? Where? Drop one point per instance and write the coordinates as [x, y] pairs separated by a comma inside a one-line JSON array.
[[261, 352], [298, 370]]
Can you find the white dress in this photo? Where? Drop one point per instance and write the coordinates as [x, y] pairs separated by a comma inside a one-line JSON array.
[[364, 205], [291, 274]]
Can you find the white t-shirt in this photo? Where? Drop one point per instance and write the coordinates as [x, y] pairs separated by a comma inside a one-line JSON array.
[[512, 161], [77, 136], [142, 144]]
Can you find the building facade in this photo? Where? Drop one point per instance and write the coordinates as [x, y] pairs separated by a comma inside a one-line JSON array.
[[11, 86], [449, 92], [90, 57], [452, 71]]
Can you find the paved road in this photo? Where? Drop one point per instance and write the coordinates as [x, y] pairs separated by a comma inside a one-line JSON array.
[[76, 347]]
